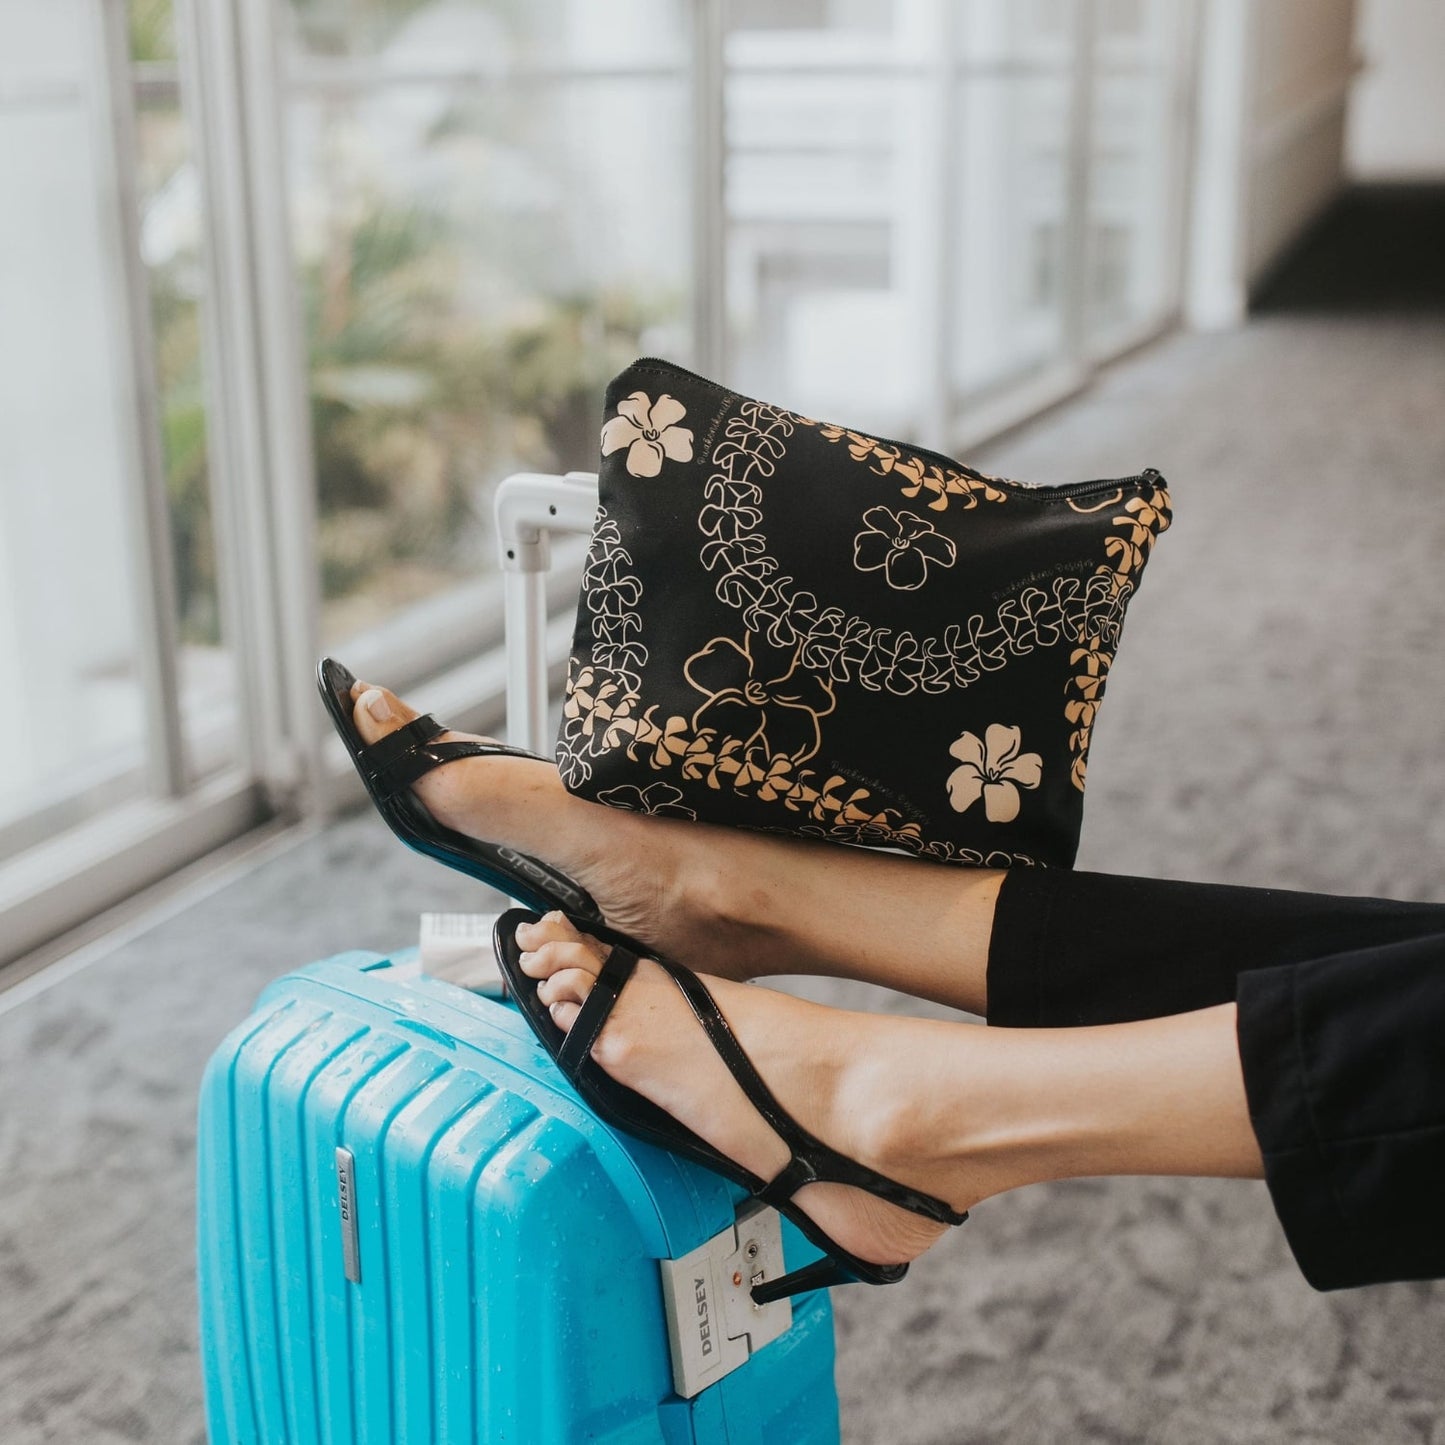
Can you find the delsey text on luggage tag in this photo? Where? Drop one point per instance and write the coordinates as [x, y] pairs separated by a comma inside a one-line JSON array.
[[713, 1325]]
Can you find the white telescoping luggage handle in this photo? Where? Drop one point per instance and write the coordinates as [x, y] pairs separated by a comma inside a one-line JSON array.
[[529, 507], [713, 1325]]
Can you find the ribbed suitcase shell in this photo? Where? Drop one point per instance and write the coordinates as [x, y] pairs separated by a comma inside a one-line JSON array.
[[508, 1240]]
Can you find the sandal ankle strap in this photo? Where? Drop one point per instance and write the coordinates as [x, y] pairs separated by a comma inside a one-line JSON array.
[[812, 1160]]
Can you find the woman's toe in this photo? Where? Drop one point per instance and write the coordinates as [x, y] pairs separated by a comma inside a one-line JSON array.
[[567, 985], [378, 711], [552, 943], [551, 959], [564, 1015]]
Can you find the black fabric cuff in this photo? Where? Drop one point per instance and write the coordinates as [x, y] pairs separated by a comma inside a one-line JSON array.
[[1071, 948], [1295, 1168], [1343, 1071]]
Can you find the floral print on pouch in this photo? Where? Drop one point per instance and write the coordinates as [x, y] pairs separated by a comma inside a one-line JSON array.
[[992, 768], [649, 431], [901, 545], [781, 639]]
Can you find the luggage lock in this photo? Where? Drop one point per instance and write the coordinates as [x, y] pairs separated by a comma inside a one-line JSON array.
[[713, 1326]]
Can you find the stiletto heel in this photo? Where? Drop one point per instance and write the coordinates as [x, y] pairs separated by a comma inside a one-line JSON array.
[[818, 1275], [812, 1161]]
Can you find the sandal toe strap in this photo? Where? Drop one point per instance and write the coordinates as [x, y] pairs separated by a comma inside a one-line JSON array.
[[393, 763], [596, 1009]]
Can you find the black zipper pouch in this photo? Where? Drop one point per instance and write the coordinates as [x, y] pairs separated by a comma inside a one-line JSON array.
[[791, 626]]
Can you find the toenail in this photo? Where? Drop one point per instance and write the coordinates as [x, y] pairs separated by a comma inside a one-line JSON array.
[[374, 701]]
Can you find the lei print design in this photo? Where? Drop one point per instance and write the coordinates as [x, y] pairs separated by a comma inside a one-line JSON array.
[[746, 687], [774, 708], [1109, 589], [657, 800], [962, 484], [602, 711], [901, 545], [649, 431]]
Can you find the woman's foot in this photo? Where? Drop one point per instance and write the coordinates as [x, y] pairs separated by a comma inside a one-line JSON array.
[[639, 870], [821, 1065], [719, 900], [953, 1110]]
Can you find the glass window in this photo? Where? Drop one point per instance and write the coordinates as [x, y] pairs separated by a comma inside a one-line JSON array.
[[818, 211], [170, 241], [1134, 167], [1010, 224], [491, 206], [68, 623]]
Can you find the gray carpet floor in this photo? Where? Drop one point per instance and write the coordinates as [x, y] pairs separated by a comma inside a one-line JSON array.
[[1274, 718]]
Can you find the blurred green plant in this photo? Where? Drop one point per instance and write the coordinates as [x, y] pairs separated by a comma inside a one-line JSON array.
[[152, 30], [362, 27], [417, 410], [421, 396]]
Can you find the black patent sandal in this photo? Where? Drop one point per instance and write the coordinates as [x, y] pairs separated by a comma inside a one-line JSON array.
[[812, 1160], [392, 764]]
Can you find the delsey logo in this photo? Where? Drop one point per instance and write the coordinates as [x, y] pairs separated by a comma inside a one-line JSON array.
[[346, 1208], [704, 1329]]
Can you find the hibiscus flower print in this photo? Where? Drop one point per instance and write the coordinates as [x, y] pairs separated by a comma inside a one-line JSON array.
[[993, 769], [649, 431], [661, 800], [901, 544], [762, 698]]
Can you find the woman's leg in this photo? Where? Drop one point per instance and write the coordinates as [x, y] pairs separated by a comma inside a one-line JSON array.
[[953, 1109], [1327, 1078], [1340, 1007], [1035, 947], [1343, 1060], [1039, 949]]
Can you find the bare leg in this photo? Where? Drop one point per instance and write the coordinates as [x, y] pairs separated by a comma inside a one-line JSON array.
[[956, 1110], [722, 900]]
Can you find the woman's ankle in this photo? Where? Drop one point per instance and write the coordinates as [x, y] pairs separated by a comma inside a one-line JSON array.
[[724, 901], [1154, 1097]]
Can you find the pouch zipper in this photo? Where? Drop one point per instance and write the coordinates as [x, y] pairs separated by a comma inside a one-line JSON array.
[[1066, 489]]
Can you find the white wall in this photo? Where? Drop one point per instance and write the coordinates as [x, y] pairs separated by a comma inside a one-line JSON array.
[[1304, 64], [1275, 83], [1396, 128]]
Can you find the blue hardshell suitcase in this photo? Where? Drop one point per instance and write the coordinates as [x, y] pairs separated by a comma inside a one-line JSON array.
[[411, 1230]]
